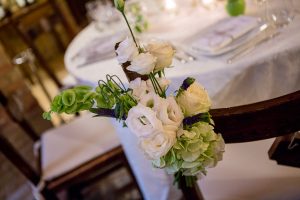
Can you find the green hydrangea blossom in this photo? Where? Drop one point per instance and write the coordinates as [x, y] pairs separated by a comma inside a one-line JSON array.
[[196, 149]]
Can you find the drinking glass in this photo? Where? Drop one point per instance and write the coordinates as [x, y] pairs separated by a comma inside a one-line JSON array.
[[277, 13], [102, 13], [281, 12]]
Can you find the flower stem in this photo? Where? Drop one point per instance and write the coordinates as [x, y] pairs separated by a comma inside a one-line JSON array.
[[156, 86], [130, 30], [153, 83]]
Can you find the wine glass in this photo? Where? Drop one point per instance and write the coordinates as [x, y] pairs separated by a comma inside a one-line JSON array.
[[102, 13], [277, 13], [262, 8], [281, 12]]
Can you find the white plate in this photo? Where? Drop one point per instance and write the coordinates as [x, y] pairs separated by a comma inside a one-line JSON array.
[[189, 47]]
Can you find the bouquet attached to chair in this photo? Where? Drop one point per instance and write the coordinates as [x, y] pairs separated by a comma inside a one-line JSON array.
[[174, 131]]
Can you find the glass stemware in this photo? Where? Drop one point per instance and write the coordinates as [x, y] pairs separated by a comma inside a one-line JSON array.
[[102, 13], [282, 12], [277, 13]]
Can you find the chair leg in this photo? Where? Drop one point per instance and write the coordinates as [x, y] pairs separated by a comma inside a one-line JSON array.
[[49, 195], [74, 193]]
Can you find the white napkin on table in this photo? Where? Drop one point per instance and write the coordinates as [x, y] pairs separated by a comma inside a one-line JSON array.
[[223, 33], [97, 49]]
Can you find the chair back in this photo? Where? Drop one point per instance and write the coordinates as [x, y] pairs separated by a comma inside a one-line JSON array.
[[258, 121]]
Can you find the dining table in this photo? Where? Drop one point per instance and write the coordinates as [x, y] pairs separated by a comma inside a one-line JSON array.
[[269, 69]]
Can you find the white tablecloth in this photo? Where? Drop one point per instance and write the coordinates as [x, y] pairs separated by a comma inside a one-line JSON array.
[[271, 70]]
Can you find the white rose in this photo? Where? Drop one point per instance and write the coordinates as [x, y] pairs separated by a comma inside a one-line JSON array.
[[163, 82], [142, 121], [126, 51], [139, 88], [194, 100], [164, 53], [158, 144], [143, 63], [170, 113]]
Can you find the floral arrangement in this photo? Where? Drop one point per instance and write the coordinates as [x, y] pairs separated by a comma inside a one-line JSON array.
[[176, 131]]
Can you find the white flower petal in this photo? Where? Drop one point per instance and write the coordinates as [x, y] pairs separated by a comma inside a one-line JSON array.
[[142, 121], [126, 51], [143, 63], [164, 53]]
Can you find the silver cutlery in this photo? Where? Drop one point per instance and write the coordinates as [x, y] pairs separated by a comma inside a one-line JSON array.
[[182, 55], [266, 33]]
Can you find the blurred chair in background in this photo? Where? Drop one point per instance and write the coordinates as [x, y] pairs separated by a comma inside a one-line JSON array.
[[72, 155]]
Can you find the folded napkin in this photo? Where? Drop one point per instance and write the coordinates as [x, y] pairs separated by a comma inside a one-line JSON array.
[[97, 49], [223, 33]]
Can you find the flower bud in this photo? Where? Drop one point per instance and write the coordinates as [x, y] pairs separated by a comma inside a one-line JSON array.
[[120, 4]]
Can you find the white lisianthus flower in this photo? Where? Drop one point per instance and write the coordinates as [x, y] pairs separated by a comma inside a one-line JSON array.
[[151, 100], [194, 100], [170, 113], [143, 63], [126, 51], [139, 88], [158, 144], [163, 82], [164, 53], [142, 121]]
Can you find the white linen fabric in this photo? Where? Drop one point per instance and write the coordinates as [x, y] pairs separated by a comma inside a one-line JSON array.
[[271, 70], [224, 33], [70, 145]]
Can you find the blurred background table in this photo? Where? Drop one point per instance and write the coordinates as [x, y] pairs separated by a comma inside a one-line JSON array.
[[271, 70]]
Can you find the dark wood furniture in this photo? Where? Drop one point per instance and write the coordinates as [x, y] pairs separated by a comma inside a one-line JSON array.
[[29, 21], [78, 178], [258, 121]]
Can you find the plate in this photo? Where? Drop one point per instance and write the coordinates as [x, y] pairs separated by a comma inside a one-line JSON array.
[[230, 43]]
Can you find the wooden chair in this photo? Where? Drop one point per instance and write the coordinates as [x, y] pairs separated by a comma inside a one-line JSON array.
[[71, 156], [259, 121]]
